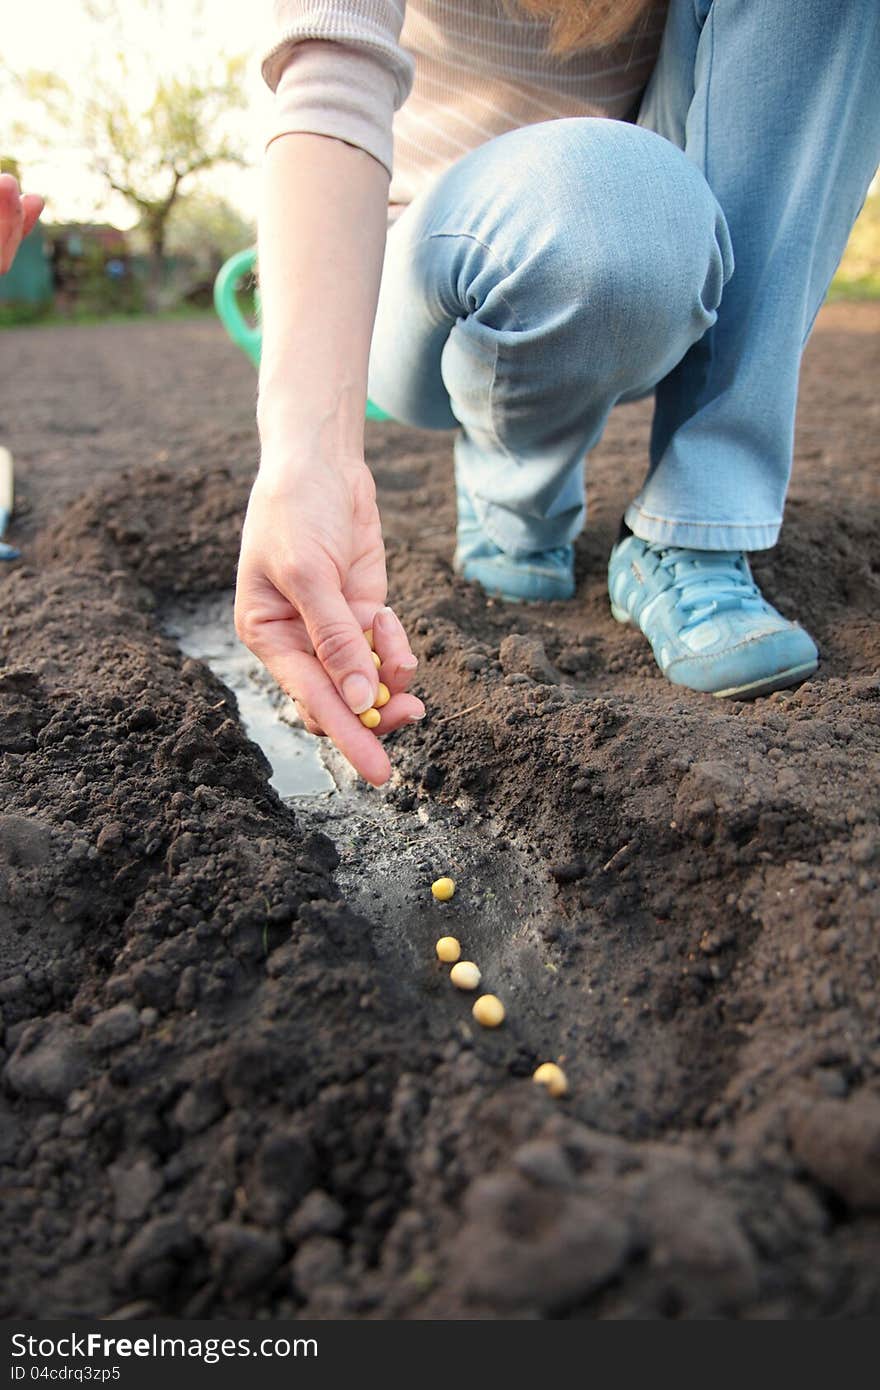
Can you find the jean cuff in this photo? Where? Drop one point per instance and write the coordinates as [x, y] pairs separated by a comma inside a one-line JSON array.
[[702, 535], [520, 535]]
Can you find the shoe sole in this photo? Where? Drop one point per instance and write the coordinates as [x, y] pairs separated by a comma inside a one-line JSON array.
[[779, 681], [793, 676]]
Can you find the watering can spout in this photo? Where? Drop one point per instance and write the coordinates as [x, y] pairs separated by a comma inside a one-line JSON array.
[[245, 335], [249, 336]]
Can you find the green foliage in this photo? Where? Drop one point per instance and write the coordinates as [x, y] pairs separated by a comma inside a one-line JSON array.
[[14, 316], [99, 294], [19, 315], [208, 230], [858, 276]]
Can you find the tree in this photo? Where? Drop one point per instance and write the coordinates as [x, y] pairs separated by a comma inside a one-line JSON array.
[[207, 229], [147, 134]]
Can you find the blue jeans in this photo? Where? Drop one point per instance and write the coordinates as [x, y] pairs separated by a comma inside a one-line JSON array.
[[565, 267]]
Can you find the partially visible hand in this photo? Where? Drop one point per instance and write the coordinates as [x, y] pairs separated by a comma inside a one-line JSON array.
[[311, 579], [18, 213]]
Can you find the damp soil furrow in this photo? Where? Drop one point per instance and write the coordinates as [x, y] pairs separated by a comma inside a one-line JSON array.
[[236, 1082]]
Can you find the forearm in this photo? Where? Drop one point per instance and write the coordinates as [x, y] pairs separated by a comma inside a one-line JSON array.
[[322, 232]]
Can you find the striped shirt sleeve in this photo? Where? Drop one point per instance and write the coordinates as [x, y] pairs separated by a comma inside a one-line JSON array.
[[337, 68]]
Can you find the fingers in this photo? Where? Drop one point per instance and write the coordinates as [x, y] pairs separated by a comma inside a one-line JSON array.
[[303, 676], [392, 646], [338, 641], [307, 720], [17, 217], [400, 711], [320, 682], [398, 665], [32, 205], [11, 221]]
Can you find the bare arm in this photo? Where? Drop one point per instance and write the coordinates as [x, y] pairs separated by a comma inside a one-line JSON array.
[[312, 570], [321, 242]]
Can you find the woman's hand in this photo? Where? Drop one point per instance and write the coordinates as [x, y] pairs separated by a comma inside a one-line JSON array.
[[311, 579], [18, 213]]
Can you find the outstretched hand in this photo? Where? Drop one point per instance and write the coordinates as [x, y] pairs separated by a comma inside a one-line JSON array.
[[311, 580], [18, 213]]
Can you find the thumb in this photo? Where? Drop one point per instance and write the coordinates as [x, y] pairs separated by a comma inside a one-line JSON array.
[[339, 642]]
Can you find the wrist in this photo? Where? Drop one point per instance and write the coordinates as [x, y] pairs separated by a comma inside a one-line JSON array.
[[286, 462], [325, 430]]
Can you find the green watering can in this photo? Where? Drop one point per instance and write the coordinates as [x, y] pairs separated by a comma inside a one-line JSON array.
[[249, 336]]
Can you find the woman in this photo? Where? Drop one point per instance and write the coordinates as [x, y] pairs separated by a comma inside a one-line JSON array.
[[572, 183]]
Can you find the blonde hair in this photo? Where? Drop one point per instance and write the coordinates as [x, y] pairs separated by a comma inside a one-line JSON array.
[[583, 23]]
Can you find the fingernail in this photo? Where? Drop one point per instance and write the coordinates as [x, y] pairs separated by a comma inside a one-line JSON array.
[[414, 718], [357, 693], [386, 620], [409, 663]]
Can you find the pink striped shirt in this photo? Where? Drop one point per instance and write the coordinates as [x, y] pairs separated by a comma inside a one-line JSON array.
[[419, 84]]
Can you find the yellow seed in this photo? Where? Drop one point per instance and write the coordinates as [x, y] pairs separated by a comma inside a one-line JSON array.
[[368, 633], [465, 975], [383, 695], [370, 718], [448, 949], [553, 1077], [443, 889], [377, 660], [489, 1011]]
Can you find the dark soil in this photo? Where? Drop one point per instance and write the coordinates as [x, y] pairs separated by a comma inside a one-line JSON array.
[[230, 1091]]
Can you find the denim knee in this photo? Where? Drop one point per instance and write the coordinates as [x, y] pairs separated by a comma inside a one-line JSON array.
[[548, 273], [628, 249]]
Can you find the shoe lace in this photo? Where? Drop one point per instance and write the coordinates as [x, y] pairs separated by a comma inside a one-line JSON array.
[[708, 582]]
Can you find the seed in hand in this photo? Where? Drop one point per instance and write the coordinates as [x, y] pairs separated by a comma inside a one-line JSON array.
[[377, 660], [443, 889], [465, 975], [488, 1011], [370, 718], [383, 695], [448, 950], [368, 633], [553, 1077]]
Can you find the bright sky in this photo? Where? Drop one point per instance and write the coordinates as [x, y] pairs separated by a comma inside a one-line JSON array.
[[55, 35]]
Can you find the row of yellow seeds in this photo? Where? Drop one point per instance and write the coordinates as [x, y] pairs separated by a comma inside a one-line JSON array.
[[488, 1010]]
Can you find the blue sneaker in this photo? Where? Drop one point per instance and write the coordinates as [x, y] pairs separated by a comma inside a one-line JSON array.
[[538, 577], [708, 623]]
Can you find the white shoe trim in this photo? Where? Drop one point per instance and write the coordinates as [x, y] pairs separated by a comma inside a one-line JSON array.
[[768, 684]]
